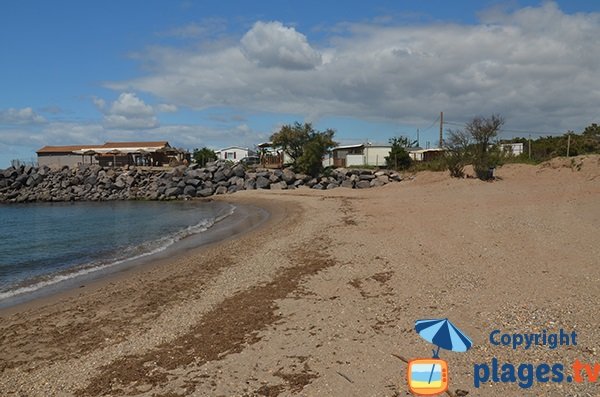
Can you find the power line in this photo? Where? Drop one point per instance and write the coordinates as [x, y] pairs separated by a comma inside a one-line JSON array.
[[432, 124]]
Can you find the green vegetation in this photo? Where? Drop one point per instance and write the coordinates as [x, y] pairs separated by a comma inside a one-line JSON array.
[[203, 156], [473, 146], [545, 148], [399, 159], [305, 146]]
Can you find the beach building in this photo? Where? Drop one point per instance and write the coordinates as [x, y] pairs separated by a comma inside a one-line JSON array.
[[418, 154], [271, 156], [111, 154], [358, 155], [232, 153], [512, 148]]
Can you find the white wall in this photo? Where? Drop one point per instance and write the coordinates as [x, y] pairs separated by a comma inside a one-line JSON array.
[[376, 155], [233, 154]]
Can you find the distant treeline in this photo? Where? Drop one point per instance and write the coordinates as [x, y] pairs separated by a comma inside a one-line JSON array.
[[545, 148]]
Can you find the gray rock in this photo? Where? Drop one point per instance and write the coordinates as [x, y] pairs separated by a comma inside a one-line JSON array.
[[193, 182], [238, 170], [221, 190], [278, 185], [91, 180], [363, 184], [332, 186], [189, 190], [376, 183], [274, 178], [234, 188], [367, 177], [288, 176], [219, 176], [262, 183], [318, 186], [173, 192], [250, 184], [348, 184], [205, 192]]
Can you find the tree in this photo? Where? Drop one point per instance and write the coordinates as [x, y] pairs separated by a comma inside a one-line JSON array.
[[483, 130], [399, 158], [292, 138], [457, 153], [305, 145], [203, 156]]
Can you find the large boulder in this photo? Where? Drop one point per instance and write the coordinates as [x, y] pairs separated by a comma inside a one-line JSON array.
[[189, 190], [279, 185], [173, 192], [262, 183], [288, 176], [207, 191], [363, 184], [347, 183], [238, 170]]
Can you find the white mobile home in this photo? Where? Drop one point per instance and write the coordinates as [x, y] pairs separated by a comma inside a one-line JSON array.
[[232, 153], [359, 155]]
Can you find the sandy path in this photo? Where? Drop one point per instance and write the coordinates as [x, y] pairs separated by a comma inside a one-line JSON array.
[[315, 302]]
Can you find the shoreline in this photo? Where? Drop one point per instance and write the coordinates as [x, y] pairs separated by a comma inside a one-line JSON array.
[[246, 218]]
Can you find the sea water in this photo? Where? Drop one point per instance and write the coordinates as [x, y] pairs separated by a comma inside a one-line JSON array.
[[46, 243]]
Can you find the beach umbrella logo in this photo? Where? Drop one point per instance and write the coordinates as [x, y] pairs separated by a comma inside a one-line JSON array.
[[429, 376]]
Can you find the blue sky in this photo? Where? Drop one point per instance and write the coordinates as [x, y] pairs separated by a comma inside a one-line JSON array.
[[219, 73]]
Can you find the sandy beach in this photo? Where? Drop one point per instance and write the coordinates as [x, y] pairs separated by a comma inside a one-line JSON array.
[[322, 298]]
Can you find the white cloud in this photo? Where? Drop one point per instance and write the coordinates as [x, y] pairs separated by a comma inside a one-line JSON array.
[[127, 112], [274, 45], [166, 108], [538, 67], [20, 116]]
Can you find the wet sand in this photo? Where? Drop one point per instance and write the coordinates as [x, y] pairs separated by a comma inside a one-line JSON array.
[[322, 298]]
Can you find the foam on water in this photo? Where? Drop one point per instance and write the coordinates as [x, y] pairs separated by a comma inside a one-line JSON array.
[[54, 273]]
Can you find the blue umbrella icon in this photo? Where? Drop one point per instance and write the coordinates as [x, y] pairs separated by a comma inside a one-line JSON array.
[[444, 334]]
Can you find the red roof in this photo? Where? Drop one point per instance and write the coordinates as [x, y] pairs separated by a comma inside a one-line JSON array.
[[64, 149], [107, 145]]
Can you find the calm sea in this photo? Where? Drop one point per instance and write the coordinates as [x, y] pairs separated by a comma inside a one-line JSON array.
[[43, 244]]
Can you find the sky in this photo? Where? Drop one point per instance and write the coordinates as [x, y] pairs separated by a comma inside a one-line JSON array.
[[222, 73]]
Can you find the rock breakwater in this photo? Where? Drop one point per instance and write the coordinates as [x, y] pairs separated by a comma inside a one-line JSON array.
[[95, 183]]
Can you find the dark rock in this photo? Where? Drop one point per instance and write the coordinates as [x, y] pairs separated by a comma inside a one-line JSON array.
[[348, 183], [288, 176], [193, 182], [250, 184], [234, 188], [262, 183], [189, 191], [173, 192], [219, 176], [367, 177], [205, 192], [363, 184], [239, 171]]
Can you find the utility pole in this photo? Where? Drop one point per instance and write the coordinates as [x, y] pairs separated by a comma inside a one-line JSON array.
[[418, 137], [529, 146], [441, 129], [568, 143]]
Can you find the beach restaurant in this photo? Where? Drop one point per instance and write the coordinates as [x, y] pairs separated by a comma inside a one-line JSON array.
[[111, 154]]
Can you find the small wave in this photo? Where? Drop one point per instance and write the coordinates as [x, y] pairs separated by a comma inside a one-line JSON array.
[[131, 254]]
